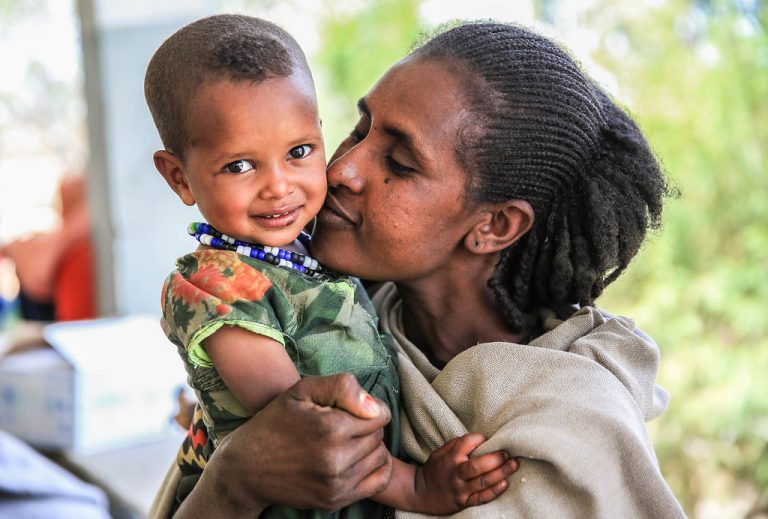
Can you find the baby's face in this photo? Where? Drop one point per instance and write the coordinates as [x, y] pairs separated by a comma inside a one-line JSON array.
[[255, 164]]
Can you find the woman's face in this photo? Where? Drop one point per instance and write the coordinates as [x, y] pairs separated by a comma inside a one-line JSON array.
[[396, 208]]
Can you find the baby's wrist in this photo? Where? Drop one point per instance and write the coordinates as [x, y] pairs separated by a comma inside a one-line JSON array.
[[421, 499]]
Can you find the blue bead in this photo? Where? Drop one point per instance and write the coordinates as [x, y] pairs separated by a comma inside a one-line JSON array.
[[281, 253], [261, 254]]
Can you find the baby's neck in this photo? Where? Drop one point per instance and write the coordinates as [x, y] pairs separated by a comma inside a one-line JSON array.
[[296, 246]]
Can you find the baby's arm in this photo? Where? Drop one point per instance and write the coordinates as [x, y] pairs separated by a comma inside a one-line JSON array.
[[450, 480], [257, 369], [254, 367]]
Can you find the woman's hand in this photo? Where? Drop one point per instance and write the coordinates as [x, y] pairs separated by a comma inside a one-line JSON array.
[[317, 445]]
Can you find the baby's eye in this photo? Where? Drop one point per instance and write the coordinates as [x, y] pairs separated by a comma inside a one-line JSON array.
[[238, 166], [299, 152]]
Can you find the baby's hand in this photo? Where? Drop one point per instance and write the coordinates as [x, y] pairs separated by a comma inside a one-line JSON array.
[[450, 480]]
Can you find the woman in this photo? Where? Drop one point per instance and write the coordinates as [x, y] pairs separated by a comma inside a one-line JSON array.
[[501, 191]]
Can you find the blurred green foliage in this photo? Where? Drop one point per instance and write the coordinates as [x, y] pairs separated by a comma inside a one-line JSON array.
[[359, 45], [14, 8], [695, 75]]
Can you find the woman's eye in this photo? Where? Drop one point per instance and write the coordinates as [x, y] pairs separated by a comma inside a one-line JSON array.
[[238, 166], [300, 152], [397, 168]]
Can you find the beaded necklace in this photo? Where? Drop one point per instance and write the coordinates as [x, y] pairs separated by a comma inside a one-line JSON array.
[[208, 235]]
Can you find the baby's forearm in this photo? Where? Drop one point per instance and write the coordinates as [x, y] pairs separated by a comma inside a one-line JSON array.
[[401, 492]]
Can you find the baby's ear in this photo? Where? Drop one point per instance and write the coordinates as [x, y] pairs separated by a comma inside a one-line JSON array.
[[501, 226], [172, 170]]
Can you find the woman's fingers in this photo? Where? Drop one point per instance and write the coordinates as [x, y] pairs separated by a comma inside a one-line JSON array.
[[344, 439], [343, 392], [306, 449], [378, 466]]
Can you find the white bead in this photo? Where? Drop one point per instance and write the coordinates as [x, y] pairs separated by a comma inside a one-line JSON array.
[[205, 239], [313, 266], [246, 251], [307, 261], [240, 250]]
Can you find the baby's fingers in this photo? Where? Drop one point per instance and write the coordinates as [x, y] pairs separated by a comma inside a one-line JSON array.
[[490, 480], [476, 466], [464, 445], [489, 494]]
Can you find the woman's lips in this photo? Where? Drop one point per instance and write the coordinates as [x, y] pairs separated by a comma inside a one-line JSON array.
[[333, 212], [279, 217]]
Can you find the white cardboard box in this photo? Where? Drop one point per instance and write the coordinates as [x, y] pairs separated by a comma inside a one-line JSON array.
[[105, 384]]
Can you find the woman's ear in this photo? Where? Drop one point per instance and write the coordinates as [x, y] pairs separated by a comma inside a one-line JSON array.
[[501, 225], [172, 170]]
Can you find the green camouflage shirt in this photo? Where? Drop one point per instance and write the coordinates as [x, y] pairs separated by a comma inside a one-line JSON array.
[[326, 327]]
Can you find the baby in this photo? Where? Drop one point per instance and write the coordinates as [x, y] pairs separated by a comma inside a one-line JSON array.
[[250, 311]]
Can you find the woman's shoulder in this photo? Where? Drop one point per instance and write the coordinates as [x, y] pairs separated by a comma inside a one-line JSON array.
[[617, 345]]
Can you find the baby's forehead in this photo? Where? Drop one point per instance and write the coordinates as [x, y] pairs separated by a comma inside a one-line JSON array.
[[233, 112], [295, 85]]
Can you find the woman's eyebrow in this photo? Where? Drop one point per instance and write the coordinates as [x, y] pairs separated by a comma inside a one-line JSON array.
[[401, 135], [362, 107]]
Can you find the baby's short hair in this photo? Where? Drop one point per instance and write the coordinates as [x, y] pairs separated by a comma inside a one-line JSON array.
[[222, 47]]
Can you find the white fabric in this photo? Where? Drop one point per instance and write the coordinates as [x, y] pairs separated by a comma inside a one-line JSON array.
[[34, 487], [571, 405]]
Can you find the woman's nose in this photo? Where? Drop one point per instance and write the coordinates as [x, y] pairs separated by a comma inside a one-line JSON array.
[[277, 184], [346, 170]]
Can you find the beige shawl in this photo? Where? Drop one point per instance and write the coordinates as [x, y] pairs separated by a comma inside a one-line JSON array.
[[571, 405]]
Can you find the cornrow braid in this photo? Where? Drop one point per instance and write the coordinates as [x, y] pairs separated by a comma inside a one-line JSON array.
[[540, 130]]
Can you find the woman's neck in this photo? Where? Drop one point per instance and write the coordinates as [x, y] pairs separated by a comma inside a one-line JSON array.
[[446, 316]]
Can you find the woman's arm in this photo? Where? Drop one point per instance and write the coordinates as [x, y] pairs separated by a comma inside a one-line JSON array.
[[271, 458]]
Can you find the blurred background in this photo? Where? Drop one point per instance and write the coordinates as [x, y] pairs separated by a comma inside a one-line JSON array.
[[693, 72]]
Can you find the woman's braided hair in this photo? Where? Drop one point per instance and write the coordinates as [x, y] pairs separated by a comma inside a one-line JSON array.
[[540, 130]]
